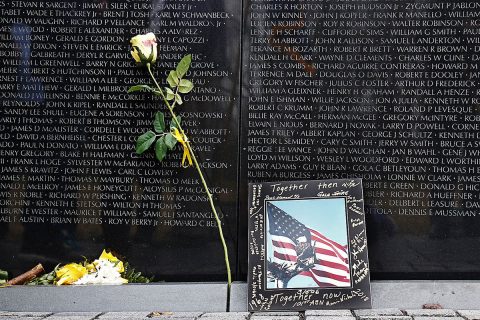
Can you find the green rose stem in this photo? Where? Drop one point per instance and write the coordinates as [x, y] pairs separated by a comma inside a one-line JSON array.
[[204, 183]]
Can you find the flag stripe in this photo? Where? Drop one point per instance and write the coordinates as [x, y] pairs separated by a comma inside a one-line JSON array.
[[283, 245], [322, 244], [330, 275], [282, 262], [284, 256], [325, 244], [332, 270], [322, 257], [284, 249], [340, 255], [342, 283], [323, 261], [329, 256], [335, 246], [282, 239], [334, 265], [324, 281], [327, 251], [287, 251], [318, 234], [289, 255]]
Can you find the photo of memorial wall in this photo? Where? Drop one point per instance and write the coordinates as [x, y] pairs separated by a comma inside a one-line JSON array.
[[284, 90]]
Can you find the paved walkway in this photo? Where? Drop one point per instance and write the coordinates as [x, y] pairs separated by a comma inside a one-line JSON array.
[[384, 314]]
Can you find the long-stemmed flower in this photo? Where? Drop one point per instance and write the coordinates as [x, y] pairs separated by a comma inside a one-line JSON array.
[[145, 53]]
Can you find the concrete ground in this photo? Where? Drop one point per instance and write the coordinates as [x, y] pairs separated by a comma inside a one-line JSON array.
[[373, 314]]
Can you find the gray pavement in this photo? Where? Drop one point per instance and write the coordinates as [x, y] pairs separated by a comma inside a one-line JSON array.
[[372, 314]]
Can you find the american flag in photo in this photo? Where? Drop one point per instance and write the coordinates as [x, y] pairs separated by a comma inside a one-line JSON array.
[[313, 254]]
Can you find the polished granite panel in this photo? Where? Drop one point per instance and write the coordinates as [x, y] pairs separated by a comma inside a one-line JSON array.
[[71, 182], [380, 90]]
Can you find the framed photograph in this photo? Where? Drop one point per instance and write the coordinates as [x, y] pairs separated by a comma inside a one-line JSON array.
[[307, 246]]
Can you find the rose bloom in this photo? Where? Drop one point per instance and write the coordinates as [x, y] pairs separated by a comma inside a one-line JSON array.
[[144, 48]]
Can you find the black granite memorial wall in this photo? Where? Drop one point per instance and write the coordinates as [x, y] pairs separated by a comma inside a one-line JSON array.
[[71, 183], [382, 90]]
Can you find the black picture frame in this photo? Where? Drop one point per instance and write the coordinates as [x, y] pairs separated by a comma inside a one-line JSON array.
[[293, 263]]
